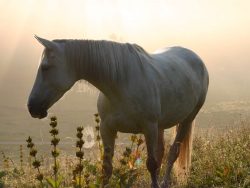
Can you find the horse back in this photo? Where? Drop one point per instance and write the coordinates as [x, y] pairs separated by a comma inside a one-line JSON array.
[[183, 83]]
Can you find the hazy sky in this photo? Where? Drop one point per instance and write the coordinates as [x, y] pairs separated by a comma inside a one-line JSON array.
[[218, 30]]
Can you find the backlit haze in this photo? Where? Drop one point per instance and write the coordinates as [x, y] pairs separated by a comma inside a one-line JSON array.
[[218, 31]]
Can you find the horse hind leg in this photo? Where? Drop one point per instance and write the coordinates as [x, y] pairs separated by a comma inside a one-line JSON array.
[[181, 147]]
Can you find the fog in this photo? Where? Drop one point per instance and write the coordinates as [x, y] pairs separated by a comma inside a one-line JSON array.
[[218, 31]]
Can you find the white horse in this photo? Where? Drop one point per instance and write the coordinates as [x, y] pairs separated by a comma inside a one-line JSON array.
[[139, 93]]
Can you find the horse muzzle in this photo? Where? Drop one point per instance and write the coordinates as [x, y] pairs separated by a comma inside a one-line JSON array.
[[37, 111]]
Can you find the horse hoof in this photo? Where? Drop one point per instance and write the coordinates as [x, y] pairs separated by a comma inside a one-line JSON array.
[[165, 185], [155, 185]]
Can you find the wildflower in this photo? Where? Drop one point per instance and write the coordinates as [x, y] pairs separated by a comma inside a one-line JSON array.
[[138, 161]]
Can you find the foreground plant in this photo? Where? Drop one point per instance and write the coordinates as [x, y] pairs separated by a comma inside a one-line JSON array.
[[36, 163], [98, 137], [77, 173], [21, 157], [127, 173], [56, 180]]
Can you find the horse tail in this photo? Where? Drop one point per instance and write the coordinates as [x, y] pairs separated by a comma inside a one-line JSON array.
[[183, 162]]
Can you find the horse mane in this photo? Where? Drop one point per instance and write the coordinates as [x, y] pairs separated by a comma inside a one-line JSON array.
[[104, 58]]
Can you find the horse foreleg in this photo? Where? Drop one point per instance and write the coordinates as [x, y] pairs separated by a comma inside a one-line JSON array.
[[160, 151], [108, 138], [151, 137]]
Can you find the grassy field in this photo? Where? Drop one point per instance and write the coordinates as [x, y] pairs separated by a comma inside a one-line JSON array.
[[219, 159]]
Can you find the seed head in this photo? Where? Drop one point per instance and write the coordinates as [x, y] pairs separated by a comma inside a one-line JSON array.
[[79, 154], [79, 143], [79, 135], [79, 129], [29, 140], [53, 118], [79, 167], [55, 141], [39, 177], [30, 145], [98, 137], [97, 128], [53, 124], [97, 120], [33, 152], [55, 153], [54, 131], [55, 168], [36, 164]]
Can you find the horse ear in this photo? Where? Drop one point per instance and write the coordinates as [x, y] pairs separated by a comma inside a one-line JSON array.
[[46, 43]]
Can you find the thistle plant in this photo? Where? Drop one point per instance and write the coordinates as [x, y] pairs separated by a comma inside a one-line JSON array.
[[79, 154], [6, 164], [98, 137], [36, 163], [55, 183], [21, 157]]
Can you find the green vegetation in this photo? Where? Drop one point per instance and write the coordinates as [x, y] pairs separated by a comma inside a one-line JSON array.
[[218, 160]]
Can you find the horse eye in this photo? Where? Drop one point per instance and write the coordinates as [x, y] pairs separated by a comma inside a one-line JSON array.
[[51, 54], [45, 67]]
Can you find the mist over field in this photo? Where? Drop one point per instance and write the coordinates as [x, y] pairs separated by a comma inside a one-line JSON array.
[[217, 31]]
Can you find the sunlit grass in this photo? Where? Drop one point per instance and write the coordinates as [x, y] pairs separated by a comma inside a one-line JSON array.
[[218, 160]]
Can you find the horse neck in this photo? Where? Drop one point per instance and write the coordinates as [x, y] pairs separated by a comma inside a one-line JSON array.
[[94, 61]]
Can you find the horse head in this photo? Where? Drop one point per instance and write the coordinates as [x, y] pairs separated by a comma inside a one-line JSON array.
[[54, 78]]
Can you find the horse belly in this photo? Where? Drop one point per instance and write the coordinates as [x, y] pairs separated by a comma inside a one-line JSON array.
[[115, 118]]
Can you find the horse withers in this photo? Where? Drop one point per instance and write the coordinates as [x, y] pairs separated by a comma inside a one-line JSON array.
[[139, 93]]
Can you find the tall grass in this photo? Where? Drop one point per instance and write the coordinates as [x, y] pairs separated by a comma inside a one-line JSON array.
[[218, 160]]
